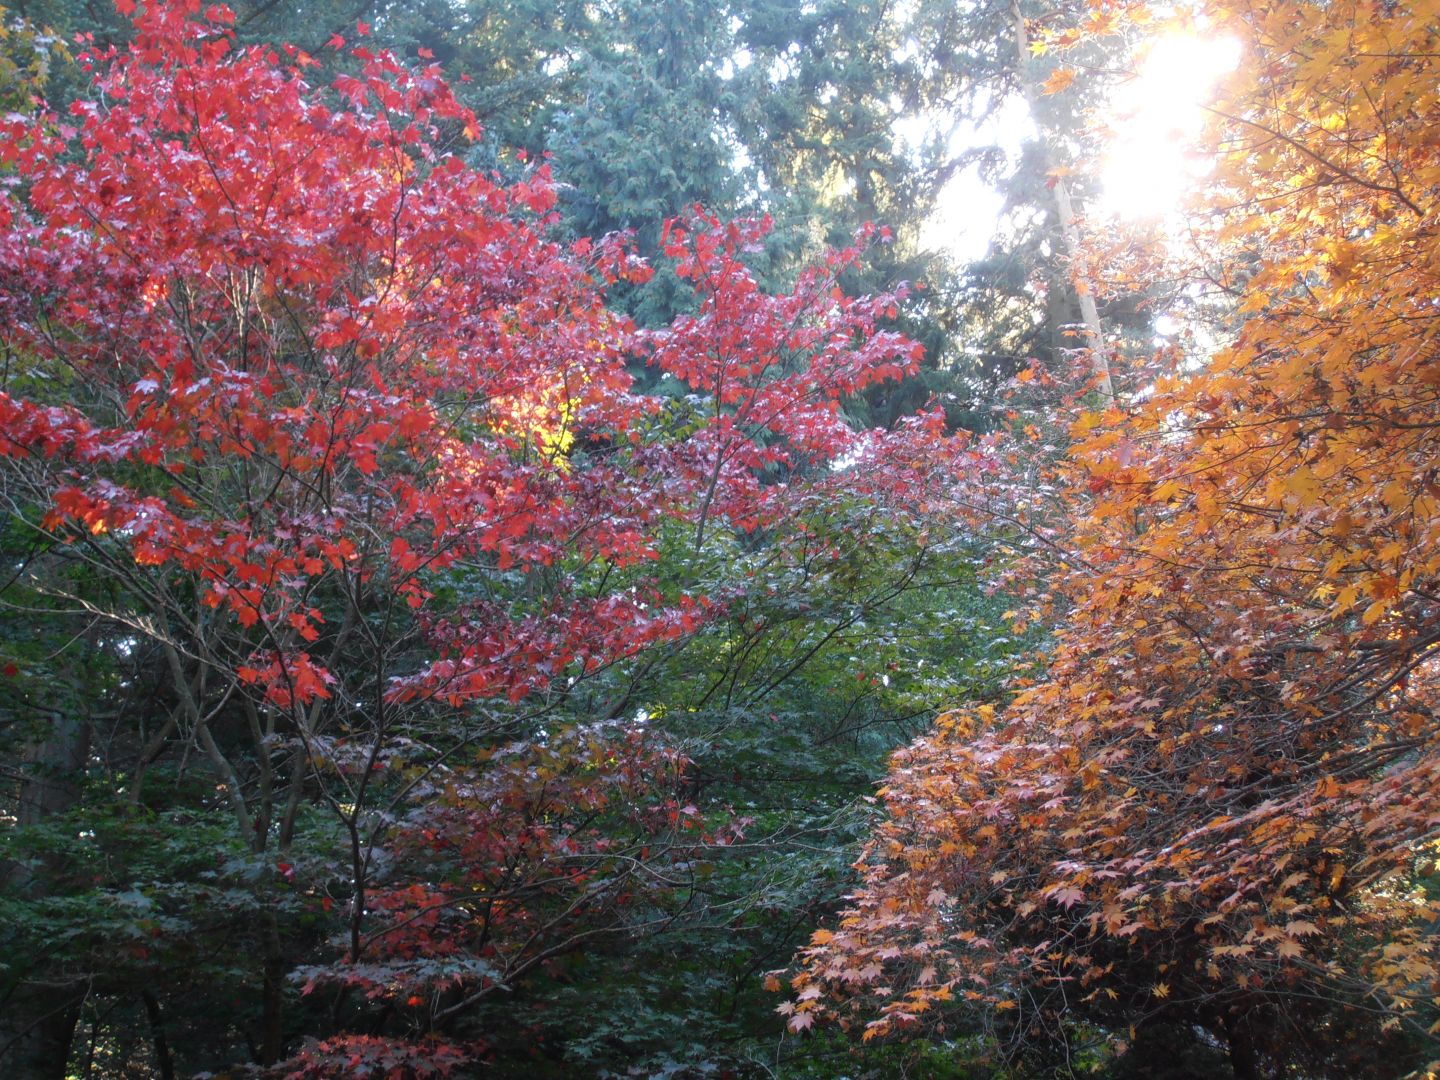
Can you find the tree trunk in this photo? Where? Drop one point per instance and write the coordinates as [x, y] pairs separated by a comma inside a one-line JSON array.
[[1242, 1048], [163, 1059], [53, 772], [271, 1033], [1065, 210], [39, 1013]]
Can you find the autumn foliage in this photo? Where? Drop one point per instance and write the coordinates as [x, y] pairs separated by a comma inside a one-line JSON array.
[[1212, 800], [381, 519], [354, 443]]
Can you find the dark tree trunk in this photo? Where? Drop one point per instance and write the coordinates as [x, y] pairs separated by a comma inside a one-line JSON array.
[[40, 1011], [163, 1060], [271, 1033], [1242, 1048], [53, 771]]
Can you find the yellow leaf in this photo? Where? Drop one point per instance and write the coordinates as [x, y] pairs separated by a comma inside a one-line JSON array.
[[1165, 492], [1304, 486]]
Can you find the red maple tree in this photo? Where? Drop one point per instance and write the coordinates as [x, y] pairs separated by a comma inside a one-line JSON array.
[[353, 440]]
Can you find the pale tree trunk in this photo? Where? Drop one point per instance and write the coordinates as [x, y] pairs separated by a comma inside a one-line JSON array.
[[1065, 210]]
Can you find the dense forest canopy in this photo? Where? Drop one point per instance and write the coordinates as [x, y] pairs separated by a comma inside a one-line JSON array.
[[523, 555]]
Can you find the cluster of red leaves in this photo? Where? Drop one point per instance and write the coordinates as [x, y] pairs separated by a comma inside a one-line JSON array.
[[369, 1057], [1208, 802], [307, 344], [296, 333], [524, 855], [301, 387]]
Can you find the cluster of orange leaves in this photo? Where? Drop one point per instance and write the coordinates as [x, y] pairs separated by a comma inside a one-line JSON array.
[[1217, 792]]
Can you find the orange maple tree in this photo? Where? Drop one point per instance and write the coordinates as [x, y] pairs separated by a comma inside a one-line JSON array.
[[1212, 801]]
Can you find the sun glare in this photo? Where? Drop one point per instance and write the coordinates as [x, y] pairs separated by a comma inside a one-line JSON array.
[[1156, 118], [969, 209]]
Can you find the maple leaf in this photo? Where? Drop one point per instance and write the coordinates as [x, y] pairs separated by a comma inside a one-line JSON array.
[[1067, 896], [1060, 79]]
